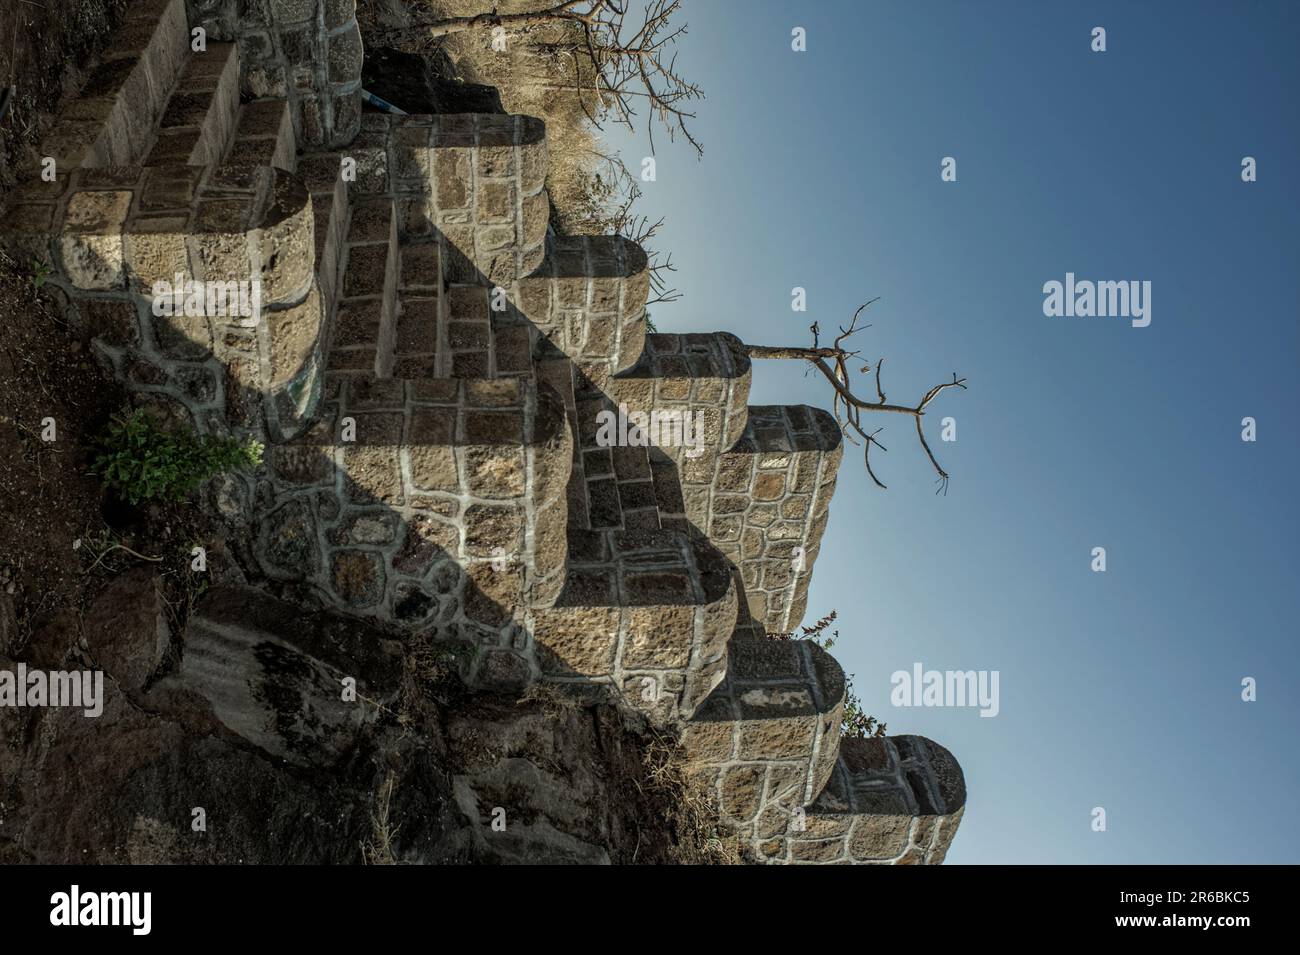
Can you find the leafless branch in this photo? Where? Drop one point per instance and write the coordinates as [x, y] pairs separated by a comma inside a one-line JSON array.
[[833, 363]]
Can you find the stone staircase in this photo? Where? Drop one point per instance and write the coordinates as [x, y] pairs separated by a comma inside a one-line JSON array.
[[430, 368]]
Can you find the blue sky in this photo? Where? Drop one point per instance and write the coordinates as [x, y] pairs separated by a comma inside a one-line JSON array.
[[822, 170]]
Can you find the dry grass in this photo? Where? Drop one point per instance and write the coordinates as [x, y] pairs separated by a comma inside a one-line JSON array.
[[378, 849], [701, 838], [554, 701]]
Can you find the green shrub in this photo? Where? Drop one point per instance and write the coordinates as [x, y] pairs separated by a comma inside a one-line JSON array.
[[856, 723], [141, 461]]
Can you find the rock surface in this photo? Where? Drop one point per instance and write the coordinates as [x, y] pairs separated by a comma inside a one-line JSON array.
[[126, 629], [250, 728]]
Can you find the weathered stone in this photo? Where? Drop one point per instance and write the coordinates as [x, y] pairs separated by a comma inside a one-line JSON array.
[[493, 592], [183, 336], [451, 171], [357, 576], [492, 531], [372, 475], [286, 234], [157, 252], [288, 541], [273, 674], [577, 640], [345, 55], [92, 248], [741, 789], [504, 669], [427, 541], [879, 837], [496, 472], [293, 333]]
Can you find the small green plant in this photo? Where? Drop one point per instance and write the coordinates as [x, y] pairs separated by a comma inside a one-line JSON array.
[[856, 723], [40, 272], [142, 461]]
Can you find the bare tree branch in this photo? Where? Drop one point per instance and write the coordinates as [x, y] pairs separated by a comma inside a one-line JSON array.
[[833, 363]]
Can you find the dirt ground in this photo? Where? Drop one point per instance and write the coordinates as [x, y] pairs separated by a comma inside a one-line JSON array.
[[47, 500], [51, 524]]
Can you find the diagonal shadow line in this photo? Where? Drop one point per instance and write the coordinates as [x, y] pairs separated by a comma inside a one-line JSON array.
[[378, 539]]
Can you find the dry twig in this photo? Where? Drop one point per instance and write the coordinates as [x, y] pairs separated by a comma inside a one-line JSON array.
[[833, 363]]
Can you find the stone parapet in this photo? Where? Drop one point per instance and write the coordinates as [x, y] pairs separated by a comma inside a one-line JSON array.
[[765, 504], [587, 301], [700, 378], [893, 800], [648, 612], [765, 741]]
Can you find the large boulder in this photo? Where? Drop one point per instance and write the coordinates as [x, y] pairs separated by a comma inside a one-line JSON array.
[[300, 686]]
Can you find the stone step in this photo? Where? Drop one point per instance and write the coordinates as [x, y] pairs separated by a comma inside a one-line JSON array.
[[420, 344], [610, 488], [366, 319], [486, 333], [620, 480], [112, 122], [308, 52], [483, 340], [894, 800], [199, 119], [443, 331], [263, 136], [649, 612], [620, 488], [766, 740]]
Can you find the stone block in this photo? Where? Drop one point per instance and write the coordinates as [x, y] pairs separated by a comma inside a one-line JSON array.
[[92, 250]]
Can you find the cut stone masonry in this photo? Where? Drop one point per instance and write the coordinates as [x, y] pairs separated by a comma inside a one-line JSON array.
[[428, 366]]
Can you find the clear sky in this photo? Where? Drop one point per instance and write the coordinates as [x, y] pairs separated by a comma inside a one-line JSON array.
[[822, 170]]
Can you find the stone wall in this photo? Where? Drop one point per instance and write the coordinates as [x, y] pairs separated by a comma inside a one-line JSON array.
[[444, 506]]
